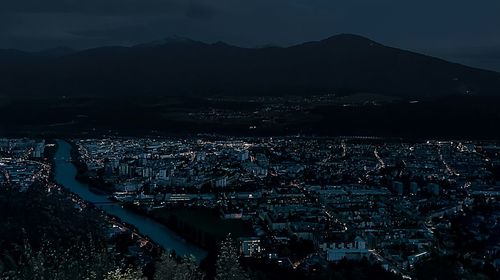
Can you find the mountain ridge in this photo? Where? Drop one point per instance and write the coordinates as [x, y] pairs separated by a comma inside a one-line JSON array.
[[180, 66]]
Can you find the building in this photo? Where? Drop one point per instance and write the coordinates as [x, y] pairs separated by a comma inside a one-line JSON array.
[[433, 189], [352, 251], [221, 182], [413, 187], [250, 247], [123, 170], [242, 155], [398, 187]]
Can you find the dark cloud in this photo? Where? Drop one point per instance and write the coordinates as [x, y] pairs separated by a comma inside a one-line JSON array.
[[99, 7], [426, 24], [119, 34], [200, 10]]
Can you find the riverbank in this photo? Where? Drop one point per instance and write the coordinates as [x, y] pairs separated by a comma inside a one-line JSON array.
[[201, 226], [92, 180], [65, 175], [111, 220]]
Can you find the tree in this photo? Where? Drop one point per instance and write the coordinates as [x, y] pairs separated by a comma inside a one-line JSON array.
[[169, 269], [81, 261], [53, 240], [127, 274], [228, 266]]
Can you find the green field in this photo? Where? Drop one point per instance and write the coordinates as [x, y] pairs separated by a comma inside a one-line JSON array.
[[204, 220]]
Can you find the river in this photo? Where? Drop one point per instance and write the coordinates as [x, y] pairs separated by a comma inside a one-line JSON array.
[[65, 173]]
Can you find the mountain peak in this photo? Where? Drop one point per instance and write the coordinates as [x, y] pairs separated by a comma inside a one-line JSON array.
[[172, 40], [348, 38], [56, 51], [221, 44]]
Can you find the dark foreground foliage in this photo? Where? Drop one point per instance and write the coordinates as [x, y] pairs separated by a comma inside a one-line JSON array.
[[45, 236]]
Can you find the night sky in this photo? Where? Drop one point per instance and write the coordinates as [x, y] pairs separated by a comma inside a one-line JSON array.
[[461, 30]]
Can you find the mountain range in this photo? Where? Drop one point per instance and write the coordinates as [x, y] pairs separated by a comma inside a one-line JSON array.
[[340, 64], [10, 57]]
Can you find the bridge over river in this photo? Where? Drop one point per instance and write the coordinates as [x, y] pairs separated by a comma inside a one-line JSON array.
[[65, 173]]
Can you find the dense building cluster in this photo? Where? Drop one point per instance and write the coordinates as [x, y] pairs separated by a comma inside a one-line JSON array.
[[26, 168], [19, 162], [389, 201]]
